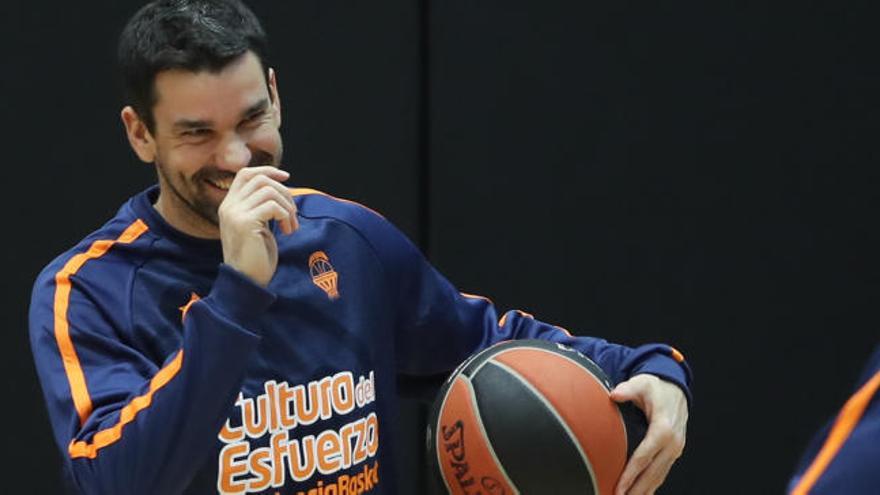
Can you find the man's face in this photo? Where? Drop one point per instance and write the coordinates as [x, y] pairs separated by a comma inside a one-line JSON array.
[[208, 127]]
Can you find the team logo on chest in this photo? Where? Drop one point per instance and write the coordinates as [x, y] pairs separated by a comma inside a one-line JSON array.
[[323, 274]]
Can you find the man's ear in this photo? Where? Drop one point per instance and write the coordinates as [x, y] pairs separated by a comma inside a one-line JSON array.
[[276, 100], [139, 136]]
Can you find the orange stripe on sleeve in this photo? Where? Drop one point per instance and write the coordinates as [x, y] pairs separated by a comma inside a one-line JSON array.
[[78, 389], [193, 298], [474, 296], [106, 437], [305, 191], [526, 315], [503, 319], [564, 330], [846, 421], [676, 354]]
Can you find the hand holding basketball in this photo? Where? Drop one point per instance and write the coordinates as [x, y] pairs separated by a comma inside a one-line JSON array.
[[665, 406], [531, 417]]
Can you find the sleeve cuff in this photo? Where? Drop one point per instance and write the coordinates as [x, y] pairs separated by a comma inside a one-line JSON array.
[[237, 297], [668, 369]]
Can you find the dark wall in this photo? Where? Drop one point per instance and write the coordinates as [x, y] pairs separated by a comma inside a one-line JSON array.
[[695, 174]]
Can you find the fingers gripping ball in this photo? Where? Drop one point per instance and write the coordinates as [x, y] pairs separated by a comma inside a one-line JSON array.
[[530, 417]]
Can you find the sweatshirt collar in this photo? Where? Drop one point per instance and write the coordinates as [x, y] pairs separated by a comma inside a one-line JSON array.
[[142, 204]]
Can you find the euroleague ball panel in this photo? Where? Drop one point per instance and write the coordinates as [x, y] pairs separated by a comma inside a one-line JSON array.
[[537, 452], [567, 385], [464, 455]]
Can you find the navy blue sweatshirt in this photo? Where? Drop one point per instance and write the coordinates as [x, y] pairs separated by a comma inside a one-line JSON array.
[[166, 371]]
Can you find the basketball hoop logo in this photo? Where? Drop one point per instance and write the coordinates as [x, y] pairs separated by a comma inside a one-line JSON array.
[[323, 274]]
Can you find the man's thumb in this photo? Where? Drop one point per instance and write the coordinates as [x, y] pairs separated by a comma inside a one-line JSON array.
[[623, 392]]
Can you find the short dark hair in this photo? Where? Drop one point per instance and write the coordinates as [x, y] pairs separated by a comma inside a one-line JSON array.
[[193, 35]]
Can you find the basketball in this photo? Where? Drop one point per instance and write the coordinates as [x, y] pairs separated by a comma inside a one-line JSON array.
[[530, 417]]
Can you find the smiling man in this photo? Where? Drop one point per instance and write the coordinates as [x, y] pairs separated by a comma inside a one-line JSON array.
[[224, 333], [235, 110]]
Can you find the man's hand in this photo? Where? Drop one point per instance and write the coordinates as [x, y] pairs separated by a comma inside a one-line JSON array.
[[665, 406], [255, 197]]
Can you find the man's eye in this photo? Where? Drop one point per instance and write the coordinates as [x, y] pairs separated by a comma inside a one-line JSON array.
[[196, 132], [251, 119]]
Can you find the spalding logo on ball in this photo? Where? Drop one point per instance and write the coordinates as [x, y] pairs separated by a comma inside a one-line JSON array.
[[530, 417]]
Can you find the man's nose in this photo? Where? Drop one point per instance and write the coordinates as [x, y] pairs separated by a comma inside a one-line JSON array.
[[233, 154]]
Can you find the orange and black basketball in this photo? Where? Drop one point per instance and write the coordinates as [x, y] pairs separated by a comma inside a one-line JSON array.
[[530, 417]]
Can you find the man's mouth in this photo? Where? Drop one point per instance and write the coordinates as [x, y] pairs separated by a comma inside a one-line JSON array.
[[222, 184]]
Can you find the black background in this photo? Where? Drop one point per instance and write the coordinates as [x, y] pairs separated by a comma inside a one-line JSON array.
[[701, 175]]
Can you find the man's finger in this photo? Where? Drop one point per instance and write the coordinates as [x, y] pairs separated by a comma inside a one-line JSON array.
[[252, 182], [640, 460], [633, 390], [245, 175], [248, 191], [654, 474], [285, 225], [294, 222], [248, 172], [266, 193], [285, 198], [271, 210]]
